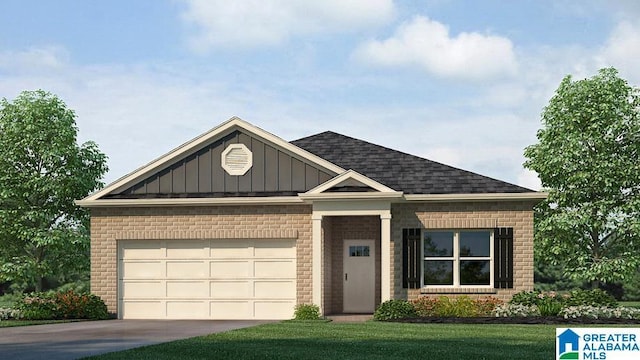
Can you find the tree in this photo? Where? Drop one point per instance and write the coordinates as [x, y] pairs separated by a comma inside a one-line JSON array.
[[588, 159], [42, 171]]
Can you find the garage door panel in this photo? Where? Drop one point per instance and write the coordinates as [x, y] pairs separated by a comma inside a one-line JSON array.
[[226, 249], [189, 249], [143, 249], [229, 310], [274, 248], [274, 289], [274, 269], [187, 269], [187, 289], [132, 269], [273, 310], [143, 289], [143, 310], [231, 269], [231, 290], [187, 309], [207, 279]]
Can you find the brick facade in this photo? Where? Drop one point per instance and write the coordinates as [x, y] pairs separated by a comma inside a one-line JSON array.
[[222, 222], [470, 215], [109, 225]]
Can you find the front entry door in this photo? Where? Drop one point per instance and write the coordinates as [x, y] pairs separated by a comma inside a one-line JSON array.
[[359, 276]]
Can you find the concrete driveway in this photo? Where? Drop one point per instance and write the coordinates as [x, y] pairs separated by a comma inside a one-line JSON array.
[[80, 339]]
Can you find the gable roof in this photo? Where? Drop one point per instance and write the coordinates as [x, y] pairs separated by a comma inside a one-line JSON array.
[[400, 171], [151, 175]]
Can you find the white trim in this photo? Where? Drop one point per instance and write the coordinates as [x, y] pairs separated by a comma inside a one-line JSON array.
[[534, 195], [456, 259], [349, 196], [346, 176], [201, 140], [316, 262], [274, 200], [385, 256]]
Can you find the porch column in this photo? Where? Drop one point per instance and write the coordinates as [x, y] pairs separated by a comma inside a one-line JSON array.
[[385, 256], [316, 261]]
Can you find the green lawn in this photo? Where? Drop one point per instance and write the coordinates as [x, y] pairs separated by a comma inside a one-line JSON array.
[[371, 340], [10, 323]]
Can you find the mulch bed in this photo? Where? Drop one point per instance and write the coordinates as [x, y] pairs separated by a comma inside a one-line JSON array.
[[546, 320]]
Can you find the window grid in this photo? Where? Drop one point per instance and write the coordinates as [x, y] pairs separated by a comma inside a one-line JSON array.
[[456, 258]]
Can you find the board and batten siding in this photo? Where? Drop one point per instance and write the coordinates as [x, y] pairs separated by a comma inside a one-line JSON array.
[[274, 172]]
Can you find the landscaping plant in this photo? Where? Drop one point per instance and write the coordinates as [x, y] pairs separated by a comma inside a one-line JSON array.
[[306, 312], [394, 309], [462, 306], [61, 305]]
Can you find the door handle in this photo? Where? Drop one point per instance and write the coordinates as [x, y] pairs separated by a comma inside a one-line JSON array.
[[345, 276]]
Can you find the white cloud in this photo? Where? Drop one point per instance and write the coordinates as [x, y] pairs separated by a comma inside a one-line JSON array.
[[252, 23], [34, 59], [622, 50], [428, 44]]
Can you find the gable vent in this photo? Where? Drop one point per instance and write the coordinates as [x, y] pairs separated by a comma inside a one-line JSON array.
[[237, 159]]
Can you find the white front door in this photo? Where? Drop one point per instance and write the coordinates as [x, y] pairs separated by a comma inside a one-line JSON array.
[[359, 276]]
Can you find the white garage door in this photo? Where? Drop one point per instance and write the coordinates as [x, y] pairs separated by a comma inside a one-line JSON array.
[[207, 279]]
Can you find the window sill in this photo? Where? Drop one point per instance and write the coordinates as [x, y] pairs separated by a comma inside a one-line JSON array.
[[461, 290]]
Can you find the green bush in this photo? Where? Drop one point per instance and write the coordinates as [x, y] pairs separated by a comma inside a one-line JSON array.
[[425, 306], [594, 297], [61, 305], [394, 309], [306, 312], [462, 306], [527, 298], [550, 307]]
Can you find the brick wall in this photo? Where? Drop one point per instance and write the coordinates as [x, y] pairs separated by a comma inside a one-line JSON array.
[[342, 228], [110, 225], [479, 215], [294, 221]]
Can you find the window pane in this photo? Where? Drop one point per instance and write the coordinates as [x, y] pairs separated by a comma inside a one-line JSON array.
[[438, 272], [438, 244], [474, 272], [475, 243]]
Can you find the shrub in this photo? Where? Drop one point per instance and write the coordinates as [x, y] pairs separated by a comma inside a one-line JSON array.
[[8, 314], [516, 310], [487, 305], [307, 312], [527, 298], [594, 297], [37, 306], [394, 309], [462, 306], [594, 312], [425, 306], [61, 305], [549, 307], [459, 307]]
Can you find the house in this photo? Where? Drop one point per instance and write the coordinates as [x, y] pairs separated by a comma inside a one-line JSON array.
[[241, 224]]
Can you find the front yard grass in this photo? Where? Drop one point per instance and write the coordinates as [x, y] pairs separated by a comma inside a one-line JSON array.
[[11, 323], [371, 340]]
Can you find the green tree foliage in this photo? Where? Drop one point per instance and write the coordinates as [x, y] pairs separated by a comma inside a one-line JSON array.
[[42, 171], [588, 159]]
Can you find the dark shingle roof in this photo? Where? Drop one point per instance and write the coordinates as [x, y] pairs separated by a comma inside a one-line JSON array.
[[400, 171]]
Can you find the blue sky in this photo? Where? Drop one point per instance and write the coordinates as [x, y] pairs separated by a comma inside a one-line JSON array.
[[460, 82]]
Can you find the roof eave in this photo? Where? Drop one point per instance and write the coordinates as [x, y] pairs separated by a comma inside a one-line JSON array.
[[525, 196], [226, 201]]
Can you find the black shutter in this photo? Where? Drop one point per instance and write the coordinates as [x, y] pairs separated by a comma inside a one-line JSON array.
[[503, 258], [411, 259]]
